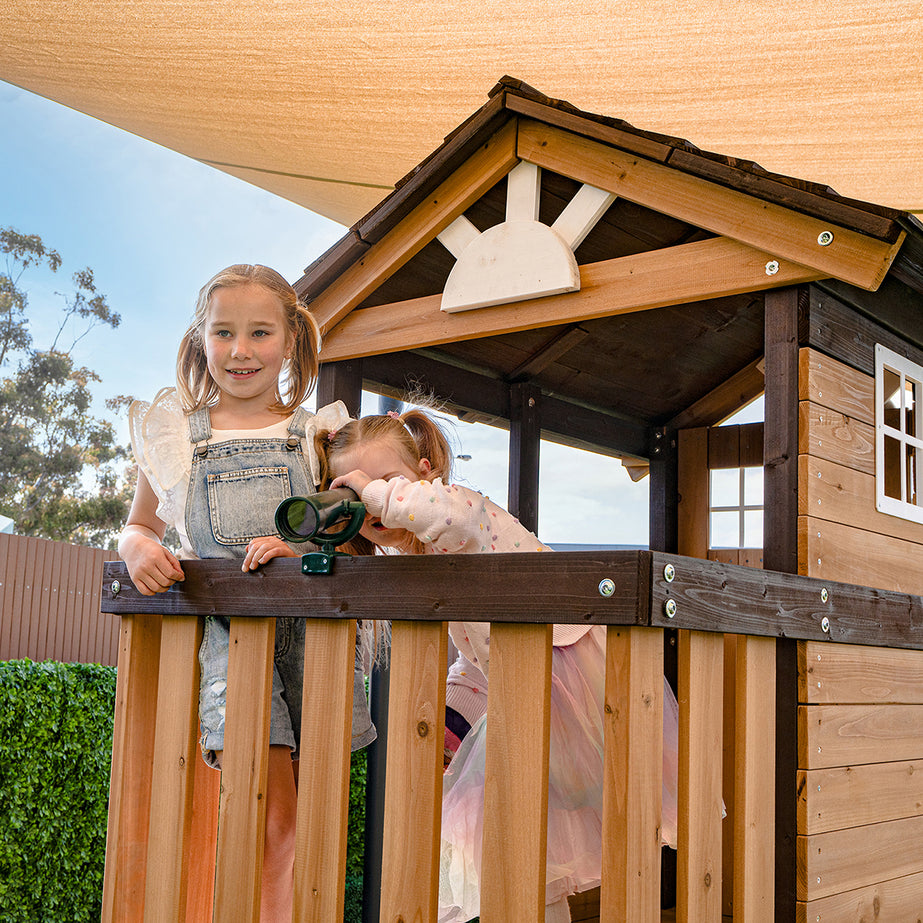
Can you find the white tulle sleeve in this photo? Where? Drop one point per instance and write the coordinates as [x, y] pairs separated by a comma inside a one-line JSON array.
[[161, 446]]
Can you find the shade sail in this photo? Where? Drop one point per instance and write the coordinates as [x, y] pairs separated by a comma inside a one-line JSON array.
[[330, 103]]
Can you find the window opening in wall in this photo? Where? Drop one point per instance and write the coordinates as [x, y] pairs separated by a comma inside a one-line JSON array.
[[898, 435], [735, 508]]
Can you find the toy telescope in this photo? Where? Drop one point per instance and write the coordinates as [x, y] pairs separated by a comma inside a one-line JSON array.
[[315, 518]]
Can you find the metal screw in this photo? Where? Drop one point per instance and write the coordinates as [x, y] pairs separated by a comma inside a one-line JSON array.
[[825, 238], [116, 587], [669, 572], [824, 595], [669, 607], [606, 587], [825, 623], [772, 267]]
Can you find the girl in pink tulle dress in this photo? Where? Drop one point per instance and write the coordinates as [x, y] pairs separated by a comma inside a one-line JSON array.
[[399, 465]]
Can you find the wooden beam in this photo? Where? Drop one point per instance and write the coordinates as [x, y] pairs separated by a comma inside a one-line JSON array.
[[849, 256], [464, 187], [525, 438], [341, 381], [741, 389], [686, 273]]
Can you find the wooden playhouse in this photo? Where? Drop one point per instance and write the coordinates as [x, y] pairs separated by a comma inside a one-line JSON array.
[[581, 281]]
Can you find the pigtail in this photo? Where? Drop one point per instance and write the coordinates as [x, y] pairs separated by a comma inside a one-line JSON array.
[[430, 440], [304, 362]]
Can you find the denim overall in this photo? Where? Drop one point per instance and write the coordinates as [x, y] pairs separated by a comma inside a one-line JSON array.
[[234, 489]]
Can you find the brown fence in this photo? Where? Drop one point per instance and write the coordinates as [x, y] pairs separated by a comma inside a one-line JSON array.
[[49, 602]]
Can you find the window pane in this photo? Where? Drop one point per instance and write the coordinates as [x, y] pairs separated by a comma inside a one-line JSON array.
[[753, 488], [911, 475], [892, 468], [753, 529], [725, 487], [892, 398], [911, 394], [725, 530]]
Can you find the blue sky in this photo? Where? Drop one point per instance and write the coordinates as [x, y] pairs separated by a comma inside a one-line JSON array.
[[154, 225]]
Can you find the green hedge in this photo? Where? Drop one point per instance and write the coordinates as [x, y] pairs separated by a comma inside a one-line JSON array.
[[55, 746], [55, 752]]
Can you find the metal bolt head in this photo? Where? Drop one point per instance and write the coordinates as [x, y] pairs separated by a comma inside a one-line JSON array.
[[772, 267], [825, 238], [824, 595], [116, 587], [606, 587], [825, 623], [669, 608], [669, 572]]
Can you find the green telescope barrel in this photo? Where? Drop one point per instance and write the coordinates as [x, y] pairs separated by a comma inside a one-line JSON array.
[[305, 519]]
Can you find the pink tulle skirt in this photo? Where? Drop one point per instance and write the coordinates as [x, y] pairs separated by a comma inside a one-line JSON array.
[[574, 786]]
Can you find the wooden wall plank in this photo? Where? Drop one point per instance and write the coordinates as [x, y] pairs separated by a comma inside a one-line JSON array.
[[852, 796], [857, 259], [203, 843], [837, 386], [173, 770], [893, 901], [323, 774], [701, 659], [244, 769], [831, 551], [843, 735], [754, 781], [844, 860], [692, 510], [855, 674], [830, 434], [514, 852], [69, 565], [23, 600], [416, 735], [843, 495], [633, 780], [130, 779], [9, 561]]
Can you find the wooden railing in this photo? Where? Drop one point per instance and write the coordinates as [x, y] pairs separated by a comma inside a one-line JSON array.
[[161, 812]]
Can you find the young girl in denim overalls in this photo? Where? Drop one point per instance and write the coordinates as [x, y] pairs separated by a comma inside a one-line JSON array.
[[215, 458]]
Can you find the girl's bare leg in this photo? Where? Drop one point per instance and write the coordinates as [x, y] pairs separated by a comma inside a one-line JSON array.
[[279, 850]]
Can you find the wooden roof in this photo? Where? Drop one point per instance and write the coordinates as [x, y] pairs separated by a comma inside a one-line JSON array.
[[668, 324]]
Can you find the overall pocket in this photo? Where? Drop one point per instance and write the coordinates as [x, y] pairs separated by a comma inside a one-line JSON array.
[[242, 503]]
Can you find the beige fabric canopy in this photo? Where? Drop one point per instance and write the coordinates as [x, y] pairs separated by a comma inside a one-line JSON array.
[[330, 103]]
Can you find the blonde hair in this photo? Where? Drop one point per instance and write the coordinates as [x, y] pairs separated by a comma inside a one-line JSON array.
[[194, 382], [415, 435]]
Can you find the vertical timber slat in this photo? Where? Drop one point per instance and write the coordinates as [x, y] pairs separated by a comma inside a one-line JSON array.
[[754, 786], [701, 669], [516, 773], [633, 777], [525, 446], [244, 768], [130, 780], [323, 776], [173, 769], [416, 739], [782, 335]]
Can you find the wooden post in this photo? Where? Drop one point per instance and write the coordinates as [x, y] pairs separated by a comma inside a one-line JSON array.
[[323, 775], [173, 770], [413, 796], [701, 683], [245, 761], [341, 381], [663, 491], [132, 755], [780, 553], [525, 442], [516, 773], [633, 779]]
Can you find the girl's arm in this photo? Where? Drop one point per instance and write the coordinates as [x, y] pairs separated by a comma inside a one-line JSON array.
[[151, 566]]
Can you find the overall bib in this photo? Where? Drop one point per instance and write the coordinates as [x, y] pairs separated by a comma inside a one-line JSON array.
[[234, 489]]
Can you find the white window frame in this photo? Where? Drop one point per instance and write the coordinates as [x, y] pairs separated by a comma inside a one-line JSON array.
[[905, 369], [741, 508]]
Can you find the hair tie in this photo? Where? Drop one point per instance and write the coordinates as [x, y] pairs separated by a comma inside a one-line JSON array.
[[394, 415], [331, 435]]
